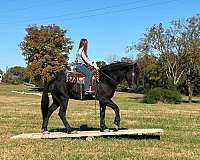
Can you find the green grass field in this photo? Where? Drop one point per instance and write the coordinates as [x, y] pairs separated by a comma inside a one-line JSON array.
[[21, 114]]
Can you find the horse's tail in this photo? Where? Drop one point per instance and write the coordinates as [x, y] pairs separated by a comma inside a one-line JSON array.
[[45, 101]]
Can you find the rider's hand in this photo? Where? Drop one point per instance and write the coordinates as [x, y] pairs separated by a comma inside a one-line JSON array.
[[95, 66]]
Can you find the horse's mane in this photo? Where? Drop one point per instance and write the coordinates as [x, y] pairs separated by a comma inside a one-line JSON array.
[[115, 66]]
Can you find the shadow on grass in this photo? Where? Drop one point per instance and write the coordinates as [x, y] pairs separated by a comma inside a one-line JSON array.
[[36, 89], [141, 100], [84, 127], [137, 98], [193, 101]]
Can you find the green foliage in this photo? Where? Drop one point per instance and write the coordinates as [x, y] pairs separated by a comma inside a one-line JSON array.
[[13, 80], [127, 60], [162, 95], [15, 75], [43, 48], [17, 71], [150, 75], [171, 85], [176, 52], [122, 87], [100, 64]]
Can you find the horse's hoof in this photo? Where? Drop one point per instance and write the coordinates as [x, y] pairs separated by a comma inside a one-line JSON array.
[[74, 132], [69, 130], [105, 130], [45, 132], [116, 128]]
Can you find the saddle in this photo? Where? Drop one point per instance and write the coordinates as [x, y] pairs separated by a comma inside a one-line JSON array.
[[76, 77]]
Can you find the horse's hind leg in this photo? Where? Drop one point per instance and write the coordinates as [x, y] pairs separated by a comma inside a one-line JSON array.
[[51, 109], [62, 114], [102, 117]]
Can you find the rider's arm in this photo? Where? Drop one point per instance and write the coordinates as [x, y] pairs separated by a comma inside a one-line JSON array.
[[86, 60]]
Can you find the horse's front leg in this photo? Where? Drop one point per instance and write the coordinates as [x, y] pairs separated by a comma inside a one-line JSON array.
[[110, 103], [62, 114], [102, 117], [117, 115]]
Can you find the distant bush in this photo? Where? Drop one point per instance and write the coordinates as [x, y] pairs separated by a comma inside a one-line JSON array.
[[157, 95], [12, 80], [122, 87], [15, 75]]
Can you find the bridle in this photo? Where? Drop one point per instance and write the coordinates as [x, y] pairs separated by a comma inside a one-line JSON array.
[[133, 75]]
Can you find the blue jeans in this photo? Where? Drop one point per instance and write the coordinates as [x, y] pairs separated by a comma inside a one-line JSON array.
[[88, 75]]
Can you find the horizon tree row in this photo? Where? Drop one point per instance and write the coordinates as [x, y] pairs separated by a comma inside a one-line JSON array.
[[169, 57]]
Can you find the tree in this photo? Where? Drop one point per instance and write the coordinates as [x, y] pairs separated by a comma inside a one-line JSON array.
[[127, 60], [17, 71], [176, 48], [112, 59], [168, 44], [43, 48], [100, 64], [191, 56], [15, 75], [149, 71]]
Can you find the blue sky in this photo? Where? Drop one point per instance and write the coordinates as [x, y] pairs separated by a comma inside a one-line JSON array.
[[109, 25]]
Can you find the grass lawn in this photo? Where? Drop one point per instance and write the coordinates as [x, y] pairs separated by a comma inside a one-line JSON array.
[[21, 114]]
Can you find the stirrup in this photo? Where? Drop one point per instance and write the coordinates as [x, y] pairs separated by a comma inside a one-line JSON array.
[[90, 90]]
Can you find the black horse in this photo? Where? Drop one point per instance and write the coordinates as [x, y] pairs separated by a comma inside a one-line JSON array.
[[110, 76]]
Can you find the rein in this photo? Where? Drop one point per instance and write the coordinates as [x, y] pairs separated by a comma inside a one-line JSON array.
[[111, 79], [114, 81]]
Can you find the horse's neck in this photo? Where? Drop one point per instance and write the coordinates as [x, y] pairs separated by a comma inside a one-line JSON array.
[[116, 77], [120, 77], [61, 76]]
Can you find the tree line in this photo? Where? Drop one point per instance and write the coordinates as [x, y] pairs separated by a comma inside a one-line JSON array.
[[168, 57]]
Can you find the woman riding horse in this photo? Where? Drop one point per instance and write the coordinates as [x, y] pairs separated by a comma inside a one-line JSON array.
[[83, 62], [110, 76]]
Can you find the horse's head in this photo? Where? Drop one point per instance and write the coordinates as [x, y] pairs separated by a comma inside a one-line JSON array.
[[116, 72], [132, 76]]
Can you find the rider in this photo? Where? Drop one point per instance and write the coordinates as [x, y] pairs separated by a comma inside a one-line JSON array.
[[83, 62]]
